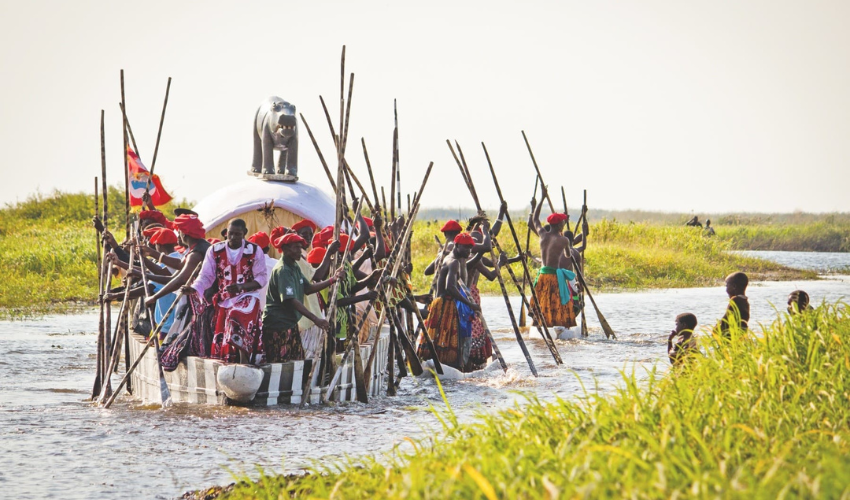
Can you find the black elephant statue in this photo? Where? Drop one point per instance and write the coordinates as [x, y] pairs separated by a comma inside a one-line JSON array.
[[275, 128]]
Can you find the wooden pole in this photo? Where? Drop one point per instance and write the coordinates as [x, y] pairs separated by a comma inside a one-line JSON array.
[[126, 167], [531, 153], [397, 156], [609, 332], [522, 310], [158, 135], [584, 236], [130, 131], [319, 152], [154, 335], [467, 176], [564, 199], [371, 174], [115, 353], [542, 328]]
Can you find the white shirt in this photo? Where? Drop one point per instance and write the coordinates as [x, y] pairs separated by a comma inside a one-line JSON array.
[[207, 275]]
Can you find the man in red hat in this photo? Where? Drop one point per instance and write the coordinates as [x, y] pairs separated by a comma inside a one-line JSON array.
[[285, 303], [555, 285], [237, 271], [445, 317]]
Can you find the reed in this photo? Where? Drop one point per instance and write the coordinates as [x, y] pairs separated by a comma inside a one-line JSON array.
[[763, 416]]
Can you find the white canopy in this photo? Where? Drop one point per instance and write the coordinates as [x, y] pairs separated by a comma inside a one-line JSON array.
[[300, 198]]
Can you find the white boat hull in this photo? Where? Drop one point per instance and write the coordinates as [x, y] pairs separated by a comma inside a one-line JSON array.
[[195, 380]]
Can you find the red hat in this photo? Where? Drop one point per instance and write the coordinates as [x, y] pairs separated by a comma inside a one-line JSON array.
[[369, 222], [150, 231], [451, 226], [277, 233], [343, 241], [304, 223], [190, 225], [316, 255], [289, 238], [556, 218], [260, 239], [154, 215], [324, 237], [464, 239], [164, 236]]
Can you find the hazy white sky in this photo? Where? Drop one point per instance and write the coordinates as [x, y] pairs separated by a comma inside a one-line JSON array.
[[661, 105]]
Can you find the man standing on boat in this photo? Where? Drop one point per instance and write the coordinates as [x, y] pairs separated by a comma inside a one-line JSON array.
[[449, 319], [285, 303], [555, 284], [239, 268]]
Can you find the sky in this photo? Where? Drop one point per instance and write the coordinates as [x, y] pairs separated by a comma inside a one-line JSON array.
[[703, 106]]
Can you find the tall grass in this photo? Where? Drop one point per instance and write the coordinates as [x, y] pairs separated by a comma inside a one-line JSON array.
[[627, 256], [758, 417], [48, 249], [822, 236]]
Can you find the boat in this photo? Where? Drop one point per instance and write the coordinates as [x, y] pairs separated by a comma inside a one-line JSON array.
[[196, 380], [263, 203]]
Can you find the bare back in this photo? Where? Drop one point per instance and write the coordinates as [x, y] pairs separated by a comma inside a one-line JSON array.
[[555, 249]]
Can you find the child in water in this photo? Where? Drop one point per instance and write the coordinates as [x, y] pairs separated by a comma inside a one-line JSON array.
[[738, 310], [681, 340]]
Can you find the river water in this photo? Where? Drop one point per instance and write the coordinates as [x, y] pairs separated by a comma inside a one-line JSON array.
[[55, 445]]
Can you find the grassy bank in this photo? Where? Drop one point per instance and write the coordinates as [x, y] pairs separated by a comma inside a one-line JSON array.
[[629, 256], [758, 417], [48, 249], [821, 236]]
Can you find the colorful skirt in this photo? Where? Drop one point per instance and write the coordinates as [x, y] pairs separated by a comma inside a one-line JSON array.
[[481, 349], [549, 295], [237, 328], [442, 324], [283, 345]]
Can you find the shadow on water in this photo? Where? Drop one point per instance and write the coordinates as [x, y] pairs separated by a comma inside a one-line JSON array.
[[56, 445]]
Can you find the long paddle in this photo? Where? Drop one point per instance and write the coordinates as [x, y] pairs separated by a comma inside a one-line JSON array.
[[609, 332], [116, 349], [153, 337], [522, 310], [471, 187], [534, 307], [165, 394]]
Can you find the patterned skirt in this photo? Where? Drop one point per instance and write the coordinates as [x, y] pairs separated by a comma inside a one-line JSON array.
[[442, 324], [283, 345], [237, 328], [481, 349], [554, 313]]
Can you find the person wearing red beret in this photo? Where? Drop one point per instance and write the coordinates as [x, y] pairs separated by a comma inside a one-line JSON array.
[[285, 303], [555, 285], [451, 340]]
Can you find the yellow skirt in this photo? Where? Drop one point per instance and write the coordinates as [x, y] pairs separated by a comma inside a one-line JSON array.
[[554, 313], [443, 327]]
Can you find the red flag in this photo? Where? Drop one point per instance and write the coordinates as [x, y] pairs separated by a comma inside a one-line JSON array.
[[138, 176]]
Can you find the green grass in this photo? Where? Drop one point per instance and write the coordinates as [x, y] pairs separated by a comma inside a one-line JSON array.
[[48, 248], [759, 417], [821, 236], [628, 256]]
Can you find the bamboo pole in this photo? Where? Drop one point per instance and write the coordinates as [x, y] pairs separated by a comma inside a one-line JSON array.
[[534, 161], [542, 328], [126, 167], [154, 335], [115, 353], [130, 131], [158, 135], [522, 310], [464, 169], [319, 152], [371, 174], [609, 332]]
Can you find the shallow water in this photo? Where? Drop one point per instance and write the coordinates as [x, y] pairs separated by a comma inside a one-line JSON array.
[[55, 445], [822, 262]]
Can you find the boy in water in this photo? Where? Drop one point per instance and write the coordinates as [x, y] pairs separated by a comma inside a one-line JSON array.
[[681, 340], [798, 301], [738, 311]]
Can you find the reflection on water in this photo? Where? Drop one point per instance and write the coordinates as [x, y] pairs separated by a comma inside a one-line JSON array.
[[56, 445]]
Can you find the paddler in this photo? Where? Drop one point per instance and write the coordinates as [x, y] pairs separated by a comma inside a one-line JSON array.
[[285, 303], [449, 319], [555, 284]]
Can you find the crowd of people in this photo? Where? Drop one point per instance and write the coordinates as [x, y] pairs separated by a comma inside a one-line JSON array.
[[239, 305]]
